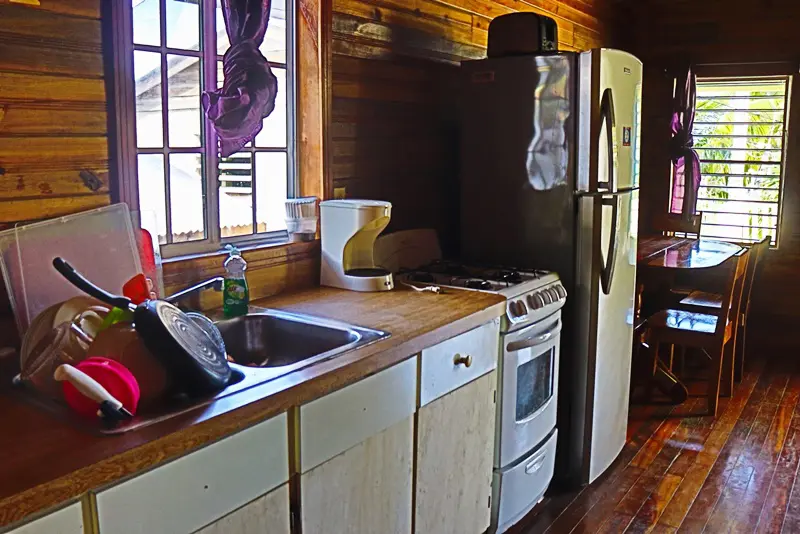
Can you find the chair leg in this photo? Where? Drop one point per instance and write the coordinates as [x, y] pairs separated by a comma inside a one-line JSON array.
[[738, 366], [671, 356], [654, 346], [728, 354], [714, 381]]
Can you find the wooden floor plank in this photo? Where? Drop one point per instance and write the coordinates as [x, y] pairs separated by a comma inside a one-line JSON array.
[[681, 471], [776, 500]]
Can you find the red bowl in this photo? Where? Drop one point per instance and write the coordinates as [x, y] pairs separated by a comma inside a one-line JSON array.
[[110, 374]]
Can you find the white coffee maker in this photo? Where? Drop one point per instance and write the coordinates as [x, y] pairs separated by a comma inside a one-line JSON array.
[[349, 229]]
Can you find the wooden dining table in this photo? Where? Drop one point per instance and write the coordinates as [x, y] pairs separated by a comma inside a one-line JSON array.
[[664, 262], [663, 252]]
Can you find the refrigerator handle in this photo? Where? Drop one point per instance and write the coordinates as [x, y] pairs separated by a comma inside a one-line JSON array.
[[608, 116], [607, 270]]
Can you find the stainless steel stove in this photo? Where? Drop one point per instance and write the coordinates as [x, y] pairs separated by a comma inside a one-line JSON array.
[[527, 370], [532, 295]]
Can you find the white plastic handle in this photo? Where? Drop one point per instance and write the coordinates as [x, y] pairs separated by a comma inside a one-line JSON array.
[[84, 383]]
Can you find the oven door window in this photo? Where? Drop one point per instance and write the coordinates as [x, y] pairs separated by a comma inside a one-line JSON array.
[[534, 385]]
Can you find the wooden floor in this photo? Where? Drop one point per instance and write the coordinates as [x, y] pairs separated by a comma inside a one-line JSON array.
[[680, 473]]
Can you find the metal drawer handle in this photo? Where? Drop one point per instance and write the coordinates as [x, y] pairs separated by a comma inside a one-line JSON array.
[[466, 360], [535, 465]]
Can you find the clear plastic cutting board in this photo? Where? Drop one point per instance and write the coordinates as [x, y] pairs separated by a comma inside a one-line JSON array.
[[100, 244]]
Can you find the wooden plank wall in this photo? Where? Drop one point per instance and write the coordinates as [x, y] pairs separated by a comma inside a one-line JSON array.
[[52, 115], [736, 32], [394, 131]]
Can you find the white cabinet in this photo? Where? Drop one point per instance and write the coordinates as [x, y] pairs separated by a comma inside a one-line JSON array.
[[268, 514], [356, 454], [456, 434], [198, 489], [68, 520], [458, 361]]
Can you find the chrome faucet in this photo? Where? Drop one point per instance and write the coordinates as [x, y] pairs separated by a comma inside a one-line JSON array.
[[216, 284]]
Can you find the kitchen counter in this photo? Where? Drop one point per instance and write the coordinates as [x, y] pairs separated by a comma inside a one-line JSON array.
[[45, 462]]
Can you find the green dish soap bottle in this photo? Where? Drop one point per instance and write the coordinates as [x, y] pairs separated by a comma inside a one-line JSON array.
[[236, 295]]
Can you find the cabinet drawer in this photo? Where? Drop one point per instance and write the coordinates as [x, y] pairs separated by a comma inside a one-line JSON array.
[[333, 424], [476, 351], [520, 488], [193, 491], [68, 520]]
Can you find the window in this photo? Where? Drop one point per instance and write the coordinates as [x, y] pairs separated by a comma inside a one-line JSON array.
[[739, 131], [189, 198]]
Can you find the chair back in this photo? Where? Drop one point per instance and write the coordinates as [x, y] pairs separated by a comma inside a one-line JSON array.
[[757, 252], [670, 223], [736, 267]]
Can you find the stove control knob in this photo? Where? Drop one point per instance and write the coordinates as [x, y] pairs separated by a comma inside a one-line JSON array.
[[522, 309], [554, 293], [535, 301], [547, 296], [562, 293]]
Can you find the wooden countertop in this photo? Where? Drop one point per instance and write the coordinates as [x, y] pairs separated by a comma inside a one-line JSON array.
[[44, 462]]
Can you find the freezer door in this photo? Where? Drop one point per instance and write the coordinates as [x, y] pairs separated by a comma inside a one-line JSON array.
[[610, 121], [610, 368], [621, 84]]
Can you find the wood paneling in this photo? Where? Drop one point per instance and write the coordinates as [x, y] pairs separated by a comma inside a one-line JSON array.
[[52, 115], [52, 108], [748, 37], [394, 133]]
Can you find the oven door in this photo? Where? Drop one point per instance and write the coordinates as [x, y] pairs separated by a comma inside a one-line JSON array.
[[528, 395]]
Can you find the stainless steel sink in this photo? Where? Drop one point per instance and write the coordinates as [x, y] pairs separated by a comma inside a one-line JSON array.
[[265, 344], [287, 341]]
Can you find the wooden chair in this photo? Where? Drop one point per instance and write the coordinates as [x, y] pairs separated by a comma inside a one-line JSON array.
[[714, 334], [701, 301], [672, 223]]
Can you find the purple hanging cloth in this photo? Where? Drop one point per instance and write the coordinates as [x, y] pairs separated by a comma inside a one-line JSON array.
[[249, 90], [685, 161]]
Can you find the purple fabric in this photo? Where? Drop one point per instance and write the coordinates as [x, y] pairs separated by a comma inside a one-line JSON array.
[[685, 161], [248, 92]]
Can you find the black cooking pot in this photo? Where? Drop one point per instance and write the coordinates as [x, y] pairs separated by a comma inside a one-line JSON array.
[[186, 348]]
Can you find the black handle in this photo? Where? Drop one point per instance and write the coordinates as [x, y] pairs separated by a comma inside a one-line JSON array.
[[608, 116], [607, 269], [77, 279]]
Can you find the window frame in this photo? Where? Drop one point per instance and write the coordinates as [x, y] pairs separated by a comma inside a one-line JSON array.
[[708, 73], [123, 149]]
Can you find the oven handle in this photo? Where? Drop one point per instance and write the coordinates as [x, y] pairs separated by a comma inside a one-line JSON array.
[[534, 341]]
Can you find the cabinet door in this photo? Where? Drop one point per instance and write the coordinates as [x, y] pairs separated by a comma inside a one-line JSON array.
[[267, 514], [202, 487], [455, 455], [68, 520], [364, 490]]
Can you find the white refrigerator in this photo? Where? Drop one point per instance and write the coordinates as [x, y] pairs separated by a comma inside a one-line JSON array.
[[549, 179]]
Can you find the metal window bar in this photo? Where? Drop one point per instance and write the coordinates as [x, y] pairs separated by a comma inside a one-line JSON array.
[[739, 213], [738, 226], [775, 165], [741, 97], [740, 110], [706, 149], [740, 136], [711, 186], [733, 175], [743, 162]]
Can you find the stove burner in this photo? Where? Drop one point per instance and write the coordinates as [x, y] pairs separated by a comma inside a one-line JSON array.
[[509, 278], [477, 284]]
